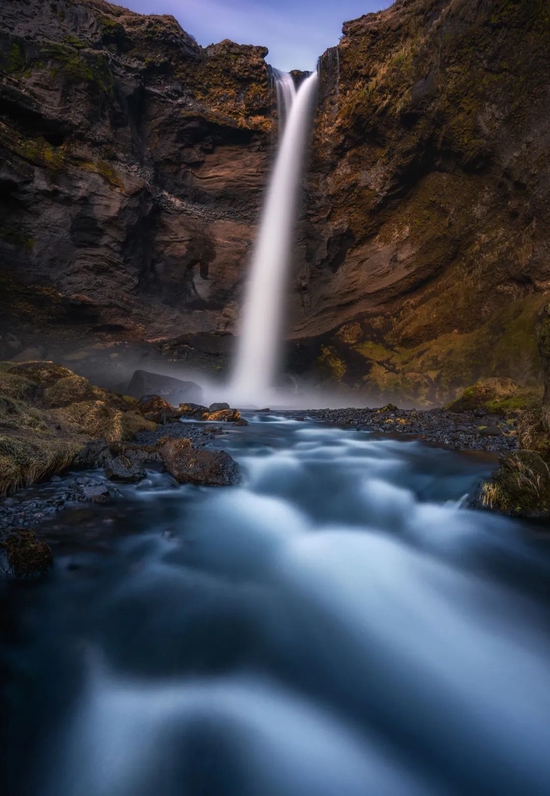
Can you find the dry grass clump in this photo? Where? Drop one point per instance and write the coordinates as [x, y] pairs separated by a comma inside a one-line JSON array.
[[98, 420], [70, 390], [25, 461], [520, 487], [13, 386], [42, 373]]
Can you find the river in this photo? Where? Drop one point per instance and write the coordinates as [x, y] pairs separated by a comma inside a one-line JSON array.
[[339, 625]]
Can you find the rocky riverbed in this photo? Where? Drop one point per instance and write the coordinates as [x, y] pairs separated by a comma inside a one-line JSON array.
[[475, 430]]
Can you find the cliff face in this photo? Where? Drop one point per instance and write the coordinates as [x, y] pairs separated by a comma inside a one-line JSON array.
[[426, 244], [132, 164]]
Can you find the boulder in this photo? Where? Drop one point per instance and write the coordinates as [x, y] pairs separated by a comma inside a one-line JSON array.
[[217, 406], [223, 416], [171, 389], [190, 465], [156, 409], [121, 468], [192, 411]]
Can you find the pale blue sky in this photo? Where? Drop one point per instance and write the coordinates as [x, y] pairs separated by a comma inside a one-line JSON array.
[[297, 32]]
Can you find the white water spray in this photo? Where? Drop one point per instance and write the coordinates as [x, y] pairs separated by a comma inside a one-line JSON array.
[[259, 344]]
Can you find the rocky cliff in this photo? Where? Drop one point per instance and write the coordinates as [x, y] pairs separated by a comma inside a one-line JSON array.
[[132, 164], [425, 252]]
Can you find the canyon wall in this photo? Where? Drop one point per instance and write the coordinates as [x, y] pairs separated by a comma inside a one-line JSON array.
[[132, 165], [425, 252], [133, 161]]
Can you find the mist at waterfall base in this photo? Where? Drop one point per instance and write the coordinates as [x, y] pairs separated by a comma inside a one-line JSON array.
[[340, 624], [260, 337]]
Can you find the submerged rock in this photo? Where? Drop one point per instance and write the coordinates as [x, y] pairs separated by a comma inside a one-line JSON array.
[[26, 555], [190, 465]]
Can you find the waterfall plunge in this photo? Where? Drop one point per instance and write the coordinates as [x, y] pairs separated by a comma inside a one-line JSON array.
[[259, 344]]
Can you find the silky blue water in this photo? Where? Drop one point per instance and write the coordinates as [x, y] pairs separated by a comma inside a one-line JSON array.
[[340, 624]]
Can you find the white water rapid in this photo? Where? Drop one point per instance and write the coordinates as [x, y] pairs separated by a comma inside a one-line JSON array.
[[259, 343]]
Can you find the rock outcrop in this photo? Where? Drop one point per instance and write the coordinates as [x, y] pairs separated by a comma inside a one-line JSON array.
[[47, 417], [132, 164], [425, 249]]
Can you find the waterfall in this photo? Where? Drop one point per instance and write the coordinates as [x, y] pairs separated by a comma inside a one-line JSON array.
[[259, 344], [286, 92]]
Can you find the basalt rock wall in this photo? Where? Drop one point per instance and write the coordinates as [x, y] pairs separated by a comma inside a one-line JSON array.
[[132, 163], [425, 248]]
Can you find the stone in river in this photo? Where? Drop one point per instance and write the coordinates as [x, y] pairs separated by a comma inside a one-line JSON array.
[[190, 465]]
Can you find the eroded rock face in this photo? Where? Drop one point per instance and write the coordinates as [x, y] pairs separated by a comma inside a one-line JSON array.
[[425, 247], [132, 163]]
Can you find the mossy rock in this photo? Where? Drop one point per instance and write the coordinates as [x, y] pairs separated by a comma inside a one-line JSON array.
[[520, 487], [499, 396]]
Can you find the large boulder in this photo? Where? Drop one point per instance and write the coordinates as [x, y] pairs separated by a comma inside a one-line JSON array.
[[171, 389], [191, 465]]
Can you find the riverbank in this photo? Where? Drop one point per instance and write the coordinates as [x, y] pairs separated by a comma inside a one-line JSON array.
[[474, 430]]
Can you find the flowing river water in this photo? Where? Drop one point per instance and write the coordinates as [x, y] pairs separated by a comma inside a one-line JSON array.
[[338, 625]]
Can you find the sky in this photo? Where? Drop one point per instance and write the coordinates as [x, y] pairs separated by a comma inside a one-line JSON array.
[[297, 32]]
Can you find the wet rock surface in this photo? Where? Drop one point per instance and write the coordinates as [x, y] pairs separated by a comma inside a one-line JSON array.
[[190, 465]]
